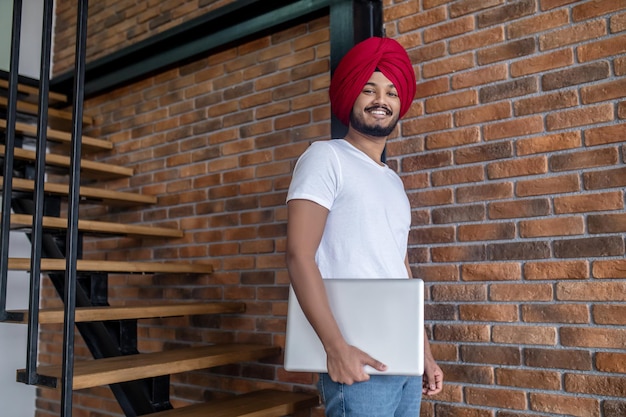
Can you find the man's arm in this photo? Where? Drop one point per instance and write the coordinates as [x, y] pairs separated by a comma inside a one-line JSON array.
[[433, 375], [305, 226]]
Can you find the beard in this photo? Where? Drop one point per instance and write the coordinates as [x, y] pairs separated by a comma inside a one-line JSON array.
[[375, 130]]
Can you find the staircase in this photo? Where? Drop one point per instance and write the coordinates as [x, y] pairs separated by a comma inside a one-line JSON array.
[[138, 380]]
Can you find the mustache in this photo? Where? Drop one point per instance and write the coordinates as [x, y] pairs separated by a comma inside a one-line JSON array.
[[384, 108]]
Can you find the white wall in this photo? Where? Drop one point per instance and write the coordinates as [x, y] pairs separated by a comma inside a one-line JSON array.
[[17, 399], [30, 36]]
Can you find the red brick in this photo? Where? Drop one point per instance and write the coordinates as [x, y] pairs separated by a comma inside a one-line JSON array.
[[589, 202], [573, 34], [556, 270], [458, 253], [520, 292], [609, 314], [452, 101], [540, 380], [517, 167], [595, 9], [486, 113], [603, 92], [541, 63], [497, 355], [476, 40], [565, 404], [465, 292], [491, 272], [610, 178], [481, 232], [556, 313], [464, 7], [601, 385], [449, 29], [509, 50], [480, 76], [453, 138], [480, 153], [490, 313], [539, 23], [618, 23], [426, 235], [579, 117], [558, 359], [491, 191], [611, 362], [422, 125], [513, 128], [606, 223], [526, 335], [462, 332], [436, 273], [549, 185], [548, 143], [458, 176], [506, 13], [560, 226], [501, 398], [546, 102], [432, 87], [420, 20], [605, 134], [600, 49], [519, 208], [609, 269], [591, 291], [448, 65]]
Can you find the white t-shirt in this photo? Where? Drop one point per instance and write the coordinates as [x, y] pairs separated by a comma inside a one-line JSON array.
[[369, 217]]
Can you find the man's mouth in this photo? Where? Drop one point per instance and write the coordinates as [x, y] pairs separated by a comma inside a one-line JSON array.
[[379, 111]]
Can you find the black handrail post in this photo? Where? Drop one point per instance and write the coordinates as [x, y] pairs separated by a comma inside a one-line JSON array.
[[73, 241], [38, 197], [7, 185]]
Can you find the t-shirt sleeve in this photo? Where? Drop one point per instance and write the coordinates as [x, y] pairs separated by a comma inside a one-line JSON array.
[[316, 176]]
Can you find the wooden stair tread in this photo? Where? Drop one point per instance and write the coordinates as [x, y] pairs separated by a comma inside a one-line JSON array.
[[53, 114], [19, 221], [91, 168], [86, 314], [33, 92], [262, 403], [84, 265], [95, 373], [95, 195], [58, 136]]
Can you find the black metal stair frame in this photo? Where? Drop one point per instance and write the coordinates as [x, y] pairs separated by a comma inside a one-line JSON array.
[[351, 21]]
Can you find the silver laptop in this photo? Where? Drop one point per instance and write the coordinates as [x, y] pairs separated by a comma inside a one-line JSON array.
[[382, 317]]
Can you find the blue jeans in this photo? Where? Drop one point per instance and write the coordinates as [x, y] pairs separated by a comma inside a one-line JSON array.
[[381, 396]]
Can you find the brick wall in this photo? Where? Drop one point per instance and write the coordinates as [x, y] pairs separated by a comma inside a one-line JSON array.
[[513, 158]]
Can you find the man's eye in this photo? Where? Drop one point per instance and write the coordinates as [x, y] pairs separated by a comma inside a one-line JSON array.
[[368, 91], [392, 94]]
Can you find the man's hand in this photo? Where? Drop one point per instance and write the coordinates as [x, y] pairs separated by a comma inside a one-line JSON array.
[[433, 377], [346, 365]]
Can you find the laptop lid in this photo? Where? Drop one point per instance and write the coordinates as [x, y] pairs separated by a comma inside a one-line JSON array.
[[382, 317]]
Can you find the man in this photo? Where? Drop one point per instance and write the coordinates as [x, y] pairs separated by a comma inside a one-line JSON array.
[[349, 217]]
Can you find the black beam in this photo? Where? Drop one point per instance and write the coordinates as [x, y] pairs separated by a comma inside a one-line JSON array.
[[212, 31], [351, 21]]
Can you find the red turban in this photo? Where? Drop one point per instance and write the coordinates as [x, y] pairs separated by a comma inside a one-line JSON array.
[[358, 65]]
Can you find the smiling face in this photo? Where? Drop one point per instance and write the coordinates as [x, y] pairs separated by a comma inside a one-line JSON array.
[[377, 108]]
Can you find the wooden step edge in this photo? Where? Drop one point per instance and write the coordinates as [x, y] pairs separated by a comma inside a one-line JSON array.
[[33, 109], [100, 372], [90, 194], [136, 312], [53, 96], [112, 267], [59, 136], [92, 168], [20, 221], [262, 403]]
